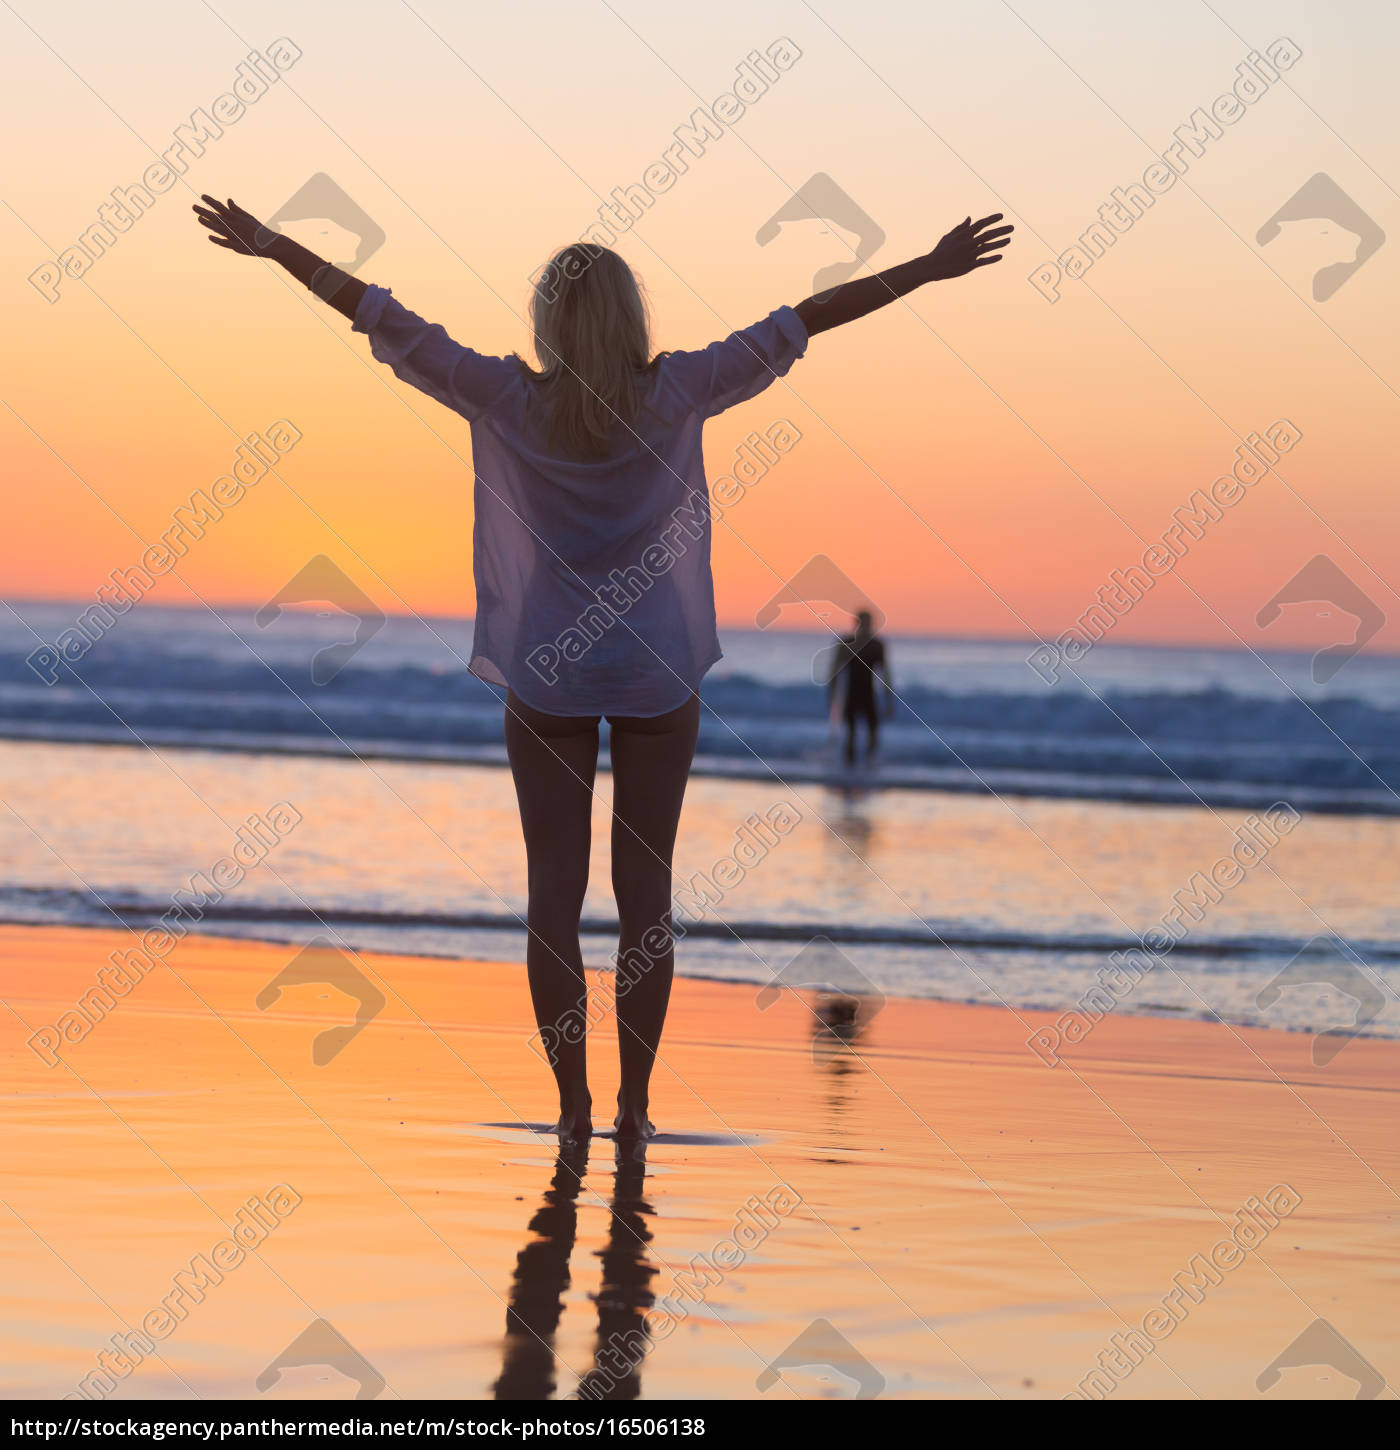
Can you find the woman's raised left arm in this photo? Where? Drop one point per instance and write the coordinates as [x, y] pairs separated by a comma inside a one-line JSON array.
[[232, 227]]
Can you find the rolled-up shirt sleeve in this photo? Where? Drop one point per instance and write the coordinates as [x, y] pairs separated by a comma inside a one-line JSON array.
[[739, 367], [422, 353]]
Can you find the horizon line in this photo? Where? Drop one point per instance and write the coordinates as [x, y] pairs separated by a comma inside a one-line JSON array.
[[217, 607]]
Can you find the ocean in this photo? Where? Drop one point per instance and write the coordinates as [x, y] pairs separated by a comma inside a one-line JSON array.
[[1166, 830]]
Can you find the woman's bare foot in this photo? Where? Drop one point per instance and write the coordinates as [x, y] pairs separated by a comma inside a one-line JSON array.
[[632, 1123], [575, 1123]]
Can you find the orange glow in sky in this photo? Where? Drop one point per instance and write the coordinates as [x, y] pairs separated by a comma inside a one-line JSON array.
[[981, 459]]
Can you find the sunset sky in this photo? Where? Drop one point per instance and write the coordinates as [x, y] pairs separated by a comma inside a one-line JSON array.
[[979, 460]]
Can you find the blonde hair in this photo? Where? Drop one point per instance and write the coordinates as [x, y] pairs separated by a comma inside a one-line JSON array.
[[593, 341]]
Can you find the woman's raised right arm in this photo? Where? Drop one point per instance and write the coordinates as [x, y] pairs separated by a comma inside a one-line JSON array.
[[419, 352]]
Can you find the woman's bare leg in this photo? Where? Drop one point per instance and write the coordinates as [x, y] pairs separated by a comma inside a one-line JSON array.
[[650, 765], [553, 759]]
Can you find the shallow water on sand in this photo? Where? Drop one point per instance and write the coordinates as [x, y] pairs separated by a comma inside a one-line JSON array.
[[1018, 900]]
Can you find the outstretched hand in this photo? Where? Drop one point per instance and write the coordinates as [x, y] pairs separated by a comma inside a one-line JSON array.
[[969, 245], [240, 231], [234, 228]]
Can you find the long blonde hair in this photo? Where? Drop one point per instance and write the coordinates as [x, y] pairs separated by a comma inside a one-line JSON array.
[[593, 341]]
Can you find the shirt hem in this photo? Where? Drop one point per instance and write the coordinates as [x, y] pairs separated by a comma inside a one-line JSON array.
[[485, 669]]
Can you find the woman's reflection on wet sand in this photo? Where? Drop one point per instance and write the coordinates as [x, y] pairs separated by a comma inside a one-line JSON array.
[[530, 1367], [625, 1294], [538, 1285]]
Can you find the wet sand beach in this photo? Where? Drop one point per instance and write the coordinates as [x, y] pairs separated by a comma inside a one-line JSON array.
[[912, 1203]]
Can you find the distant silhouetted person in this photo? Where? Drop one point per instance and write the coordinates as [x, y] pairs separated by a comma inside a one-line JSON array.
[[593, 590], [859, 658]]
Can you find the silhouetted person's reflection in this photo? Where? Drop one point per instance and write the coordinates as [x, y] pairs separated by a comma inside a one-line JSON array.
[[529, 1368], [851, 827], [838, 1023], [859, 658]]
